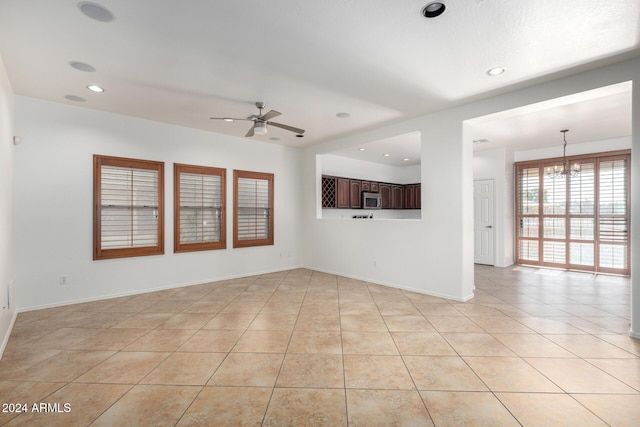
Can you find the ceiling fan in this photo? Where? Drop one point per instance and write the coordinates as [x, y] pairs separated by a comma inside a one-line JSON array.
[[260, 122]]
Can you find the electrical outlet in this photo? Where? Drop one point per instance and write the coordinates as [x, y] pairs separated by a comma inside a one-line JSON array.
[[64, 279]]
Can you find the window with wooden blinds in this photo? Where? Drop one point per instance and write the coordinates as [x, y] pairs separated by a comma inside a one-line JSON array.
[[253, 209], [577, 222], [528, 213], [199, 208], [613, 214], [128, 207]]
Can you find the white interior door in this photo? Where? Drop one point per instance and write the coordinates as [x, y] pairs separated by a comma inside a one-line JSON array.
[[484, 233]]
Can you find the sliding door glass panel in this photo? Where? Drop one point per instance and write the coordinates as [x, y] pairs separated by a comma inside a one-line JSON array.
[[529, 186], [529, 227], [581, 228], [582, 190], [554, 228], [613, 187], [581, 254], [529, 250], [613, 256], [554, 195], [554, 252]]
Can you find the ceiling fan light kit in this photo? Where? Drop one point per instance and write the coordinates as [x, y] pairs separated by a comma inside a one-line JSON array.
[[260, 122], [260, 128]]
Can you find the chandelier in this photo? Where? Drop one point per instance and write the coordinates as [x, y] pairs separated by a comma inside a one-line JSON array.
[[560, 171]]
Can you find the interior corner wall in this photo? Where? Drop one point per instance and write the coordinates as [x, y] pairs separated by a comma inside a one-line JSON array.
[[7, 240], [54, 199]]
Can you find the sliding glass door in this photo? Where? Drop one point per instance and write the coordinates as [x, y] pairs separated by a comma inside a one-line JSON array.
[[576, 222]]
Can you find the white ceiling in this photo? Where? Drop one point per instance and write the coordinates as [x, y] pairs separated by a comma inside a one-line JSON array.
[[380, 61]]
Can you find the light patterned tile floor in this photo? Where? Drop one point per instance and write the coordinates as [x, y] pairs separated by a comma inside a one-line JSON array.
[[303, 348]]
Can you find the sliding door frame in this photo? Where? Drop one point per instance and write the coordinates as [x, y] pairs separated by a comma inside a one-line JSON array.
[[539, 214]]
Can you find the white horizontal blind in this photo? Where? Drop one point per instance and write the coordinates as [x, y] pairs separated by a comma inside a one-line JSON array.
[[129, 207], [528, 212], [613, 227], [582, 197], [253, 209], [200, 208]]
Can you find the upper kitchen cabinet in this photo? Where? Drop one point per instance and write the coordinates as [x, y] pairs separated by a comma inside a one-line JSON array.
[[355, 188], [396, 196], [411, 196], [343, 193], [385, 194]]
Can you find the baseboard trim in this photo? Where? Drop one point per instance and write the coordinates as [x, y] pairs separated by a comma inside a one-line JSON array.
[[392, 285], [5, 339], [146, 290]]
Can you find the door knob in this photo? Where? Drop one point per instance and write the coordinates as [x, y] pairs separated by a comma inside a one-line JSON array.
[[488, 226]]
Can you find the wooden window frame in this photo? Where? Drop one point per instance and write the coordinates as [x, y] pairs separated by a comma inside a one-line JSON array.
[[237, 243], [98, 252], [596, 158], [179, 168]]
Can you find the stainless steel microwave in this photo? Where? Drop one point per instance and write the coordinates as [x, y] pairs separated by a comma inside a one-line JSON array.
[[371, 200]]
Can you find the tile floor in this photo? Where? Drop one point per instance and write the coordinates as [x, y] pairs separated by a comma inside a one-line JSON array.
[[302, 348]]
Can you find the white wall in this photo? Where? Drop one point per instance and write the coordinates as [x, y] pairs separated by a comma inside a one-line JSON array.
[[7, 263], [53, 188], [359, 169], [599, 146]]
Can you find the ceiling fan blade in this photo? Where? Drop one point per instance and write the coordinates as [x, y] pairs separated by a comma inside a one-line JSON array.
[[270, 115], [228, 119], [287, 127], [250, 133]]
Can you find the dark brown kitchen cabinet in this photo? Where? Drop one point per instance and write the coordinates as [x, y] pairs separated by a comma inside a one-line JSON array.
[[354, 191], [409, 197], [385, 195], [396, 196], [345, 193], [343, 200]]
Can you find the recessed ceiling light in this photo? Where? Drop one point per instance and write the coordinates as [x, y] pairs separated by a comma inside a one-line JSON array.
[[405, 159], [228, 119], [433, 9], [95, 11], [343, 115], [386, 155], [95, 88], [74, 98], [82, 66], [361, 149], [496, 71]]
